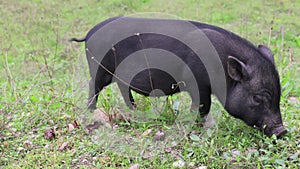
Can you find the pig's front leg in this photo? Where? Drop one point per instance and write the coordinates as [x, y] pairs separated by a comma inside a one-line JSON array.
[[206, 116], [203, 108]]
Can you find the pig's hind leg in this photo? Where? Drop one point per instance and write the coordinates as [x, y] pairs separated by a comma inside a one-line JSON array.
[[127, 96], [102, 79]]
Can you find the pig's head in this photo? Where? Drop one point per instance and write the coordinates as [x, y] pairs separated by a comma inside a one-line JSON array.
[[254, 93]]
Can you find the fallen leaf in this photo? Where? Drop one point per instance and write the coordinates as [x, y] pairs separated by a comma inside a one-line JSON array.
[[63, 146], [70, 127], [17, 134], [294, 100], [146, 133], [201, 167], [250, 150], [84, 161], [27, 144], [100, 115], [120, 117], [159, 136], [33, 131], [194, 137], [49, 134], [105, 159], [135, 166], [191, 165], [75, 124], [93, 126], [179, 164], [294, 156], [168, 150], [234, 154], [65, 116], [21, 149]]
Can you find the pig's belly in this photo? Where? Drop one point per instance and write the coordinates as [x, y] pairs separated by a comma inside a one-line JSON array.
[[162, 83]]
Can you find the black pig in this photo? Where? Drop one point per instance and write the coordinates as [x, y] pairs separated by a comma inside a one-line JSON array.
[[252, 86]]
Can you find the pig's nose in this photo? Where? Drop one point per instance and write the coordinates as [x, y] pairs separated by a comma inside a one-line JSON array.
[[279, 131]]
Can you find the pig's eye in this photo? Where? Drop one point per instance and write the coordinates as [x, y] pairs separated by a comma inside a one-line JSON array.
[[258, 99]]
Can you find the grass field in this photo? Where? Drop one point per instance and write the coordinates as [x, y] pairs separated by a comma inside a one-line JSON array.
[[44, 86]]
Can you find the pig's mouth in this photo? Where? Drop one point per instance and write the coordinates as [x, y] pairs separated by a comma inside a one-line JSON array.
[[277, 130]]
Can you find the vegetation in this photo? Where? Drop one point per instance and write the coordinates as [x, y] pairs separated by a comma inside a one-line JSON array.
[[44, 83]]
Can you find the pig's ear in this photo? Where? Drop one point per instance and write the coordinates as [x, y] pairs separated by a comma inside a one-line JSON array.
[[237, 70], [266, 52]]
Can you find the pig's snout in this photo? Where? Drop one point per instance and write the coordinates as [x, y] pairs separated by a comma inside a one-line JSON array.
[[278, 131]]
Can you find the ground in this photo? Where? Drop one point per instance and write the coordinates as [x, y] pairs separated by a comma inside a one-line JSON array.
[[44, 83]]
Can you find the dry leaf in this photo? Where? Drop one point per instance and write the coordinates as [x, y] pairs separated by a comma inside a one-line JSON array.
[[49, 134], [135, 166], [202, 167], [168, 150], [75, 124], [27, 144], [159, 136], [105, 159], [100, 115], [294, 100], [93, 126], [250, 150], [146, 133], [21, 149], [234, 154], [70, 127], [63, 147], [179, 164]]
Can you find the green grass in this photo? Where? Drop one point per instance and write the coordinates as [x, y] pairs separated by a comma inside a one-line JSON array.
[[44, 82]]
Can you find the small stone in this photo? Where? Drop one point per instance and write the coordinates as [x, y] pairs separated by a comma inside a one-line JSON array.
[[5, 144]]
